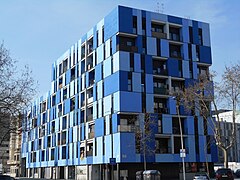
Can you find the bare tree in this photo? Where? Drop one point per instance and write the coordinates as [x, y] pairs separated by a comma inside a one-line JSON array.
[[144, 135], [17, 88], [203, 94]]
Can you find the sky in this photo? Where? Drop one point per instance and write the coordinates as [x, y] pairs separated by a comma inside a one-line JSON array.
[[38, 32]]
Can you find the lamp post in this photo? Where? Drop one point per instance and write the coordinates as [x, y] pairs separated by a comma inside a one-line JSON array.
[[182, 151]]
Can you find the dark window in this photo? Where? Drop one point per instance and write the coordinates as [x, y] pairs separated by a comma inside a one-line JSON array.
[[142, 63], [175, 51], [200, 40], [129, 81], [191, 35], [52, 154], [65, 65], [197, 53], [143, 26], [131, 61], [135, 24], [190, 51], [174, 33], [127, 44], [64, 151]]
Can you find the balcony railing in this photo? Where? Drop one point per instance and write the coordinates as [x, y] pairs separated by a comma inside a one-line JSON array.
[[159, 35], [126, 128], [127, 48], [164, 150], [160, 71], [161, 90], [161, 110]]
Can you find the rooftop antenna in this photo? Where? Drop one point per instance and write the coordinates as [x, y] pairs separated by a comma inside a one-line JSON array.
[[160, 7]]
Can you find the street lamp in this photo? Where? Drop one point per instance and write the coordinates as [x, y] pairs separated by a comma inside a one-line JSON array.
[[182, 151]]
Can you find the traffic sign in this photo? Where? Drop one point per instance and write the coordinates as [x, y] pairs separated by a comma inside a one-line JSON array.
[[182, 153]]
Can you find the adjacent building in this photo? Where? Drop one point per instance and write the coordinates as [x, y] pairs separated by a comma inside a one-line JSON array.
[[15, 152], [102, 90], [226, 124]]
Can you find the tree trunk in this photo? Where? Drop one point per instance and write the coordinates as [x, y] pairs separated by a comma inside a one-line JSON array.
[[225, 158], [144, 158]]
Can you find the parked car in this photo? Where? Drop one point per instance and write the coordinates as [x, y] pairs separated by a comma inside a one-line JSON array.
[[237, 172], [6, 177], [224, 173], [201, 176]]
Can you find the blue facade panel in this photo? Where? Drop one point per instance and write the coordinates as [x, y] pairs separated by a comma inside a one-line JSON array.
[[173, 67], [176, 20], [195, 32], [164, 48], [130, 102], [111, 24], [172, 105], [166, 124], [126, 13], [205, 55], [148, 64], [111, 84]]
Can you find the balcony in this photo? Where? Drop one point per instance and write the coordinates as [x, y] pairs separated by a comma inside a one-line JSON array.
[[90, 100], [163, 150], [90, 117], [176, 54], [159, 71], [90, 49], [90, 153], [83, 55], [91, 135], [161, 90], [126, 128], [127, 48], [159, 35], [161, 110]]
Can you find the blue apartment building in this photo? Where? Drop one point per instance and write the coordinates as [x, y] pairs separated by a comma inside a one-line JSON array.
[[102, 90]]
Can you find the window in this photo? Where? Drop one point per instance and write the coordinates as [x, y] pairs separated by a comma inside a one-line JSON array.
[[174, 33], [131, 61], [52, 154], [200, 36], [60, 110], [65, 94], [60, 83], [60, 69], [163, 145], [191, 34], [160, 123], [127, 44], [64, 122], [72, 73], [129, 81], [143, 26], [53, 100], [43, 155], [48, 141], [65, 65], [103, 34], [64, 152], [64, 137], [135, 24], [197, 53], [175, 51], [157, 28], [72, 104]]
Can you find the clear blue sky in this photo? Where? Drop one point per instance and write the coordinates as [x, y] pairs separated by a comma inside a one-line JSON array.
[[38, 32]]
